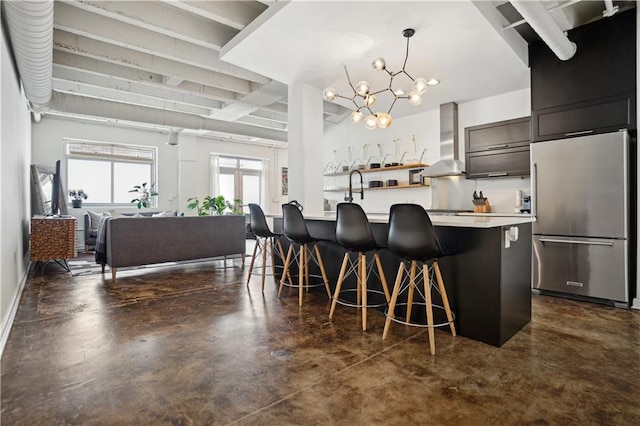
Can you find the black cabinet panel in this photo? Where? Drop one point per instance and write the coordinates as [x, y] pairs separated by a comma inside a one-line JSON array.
[[498, 149], [604, 64], [499, 135], [593, 92], [506, 162], [600, 116]]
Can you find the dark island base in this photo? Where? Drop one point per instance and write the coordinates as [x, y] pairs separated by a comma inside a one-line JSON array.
[[488, 285]]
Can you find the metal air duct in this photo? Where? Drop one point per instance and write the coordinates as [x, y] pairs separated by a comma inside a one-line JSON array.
[[538, 18], [30, 25]]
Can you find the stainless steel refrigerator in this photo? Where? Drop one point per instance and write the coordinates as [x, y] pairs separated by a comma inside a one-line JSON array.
[[580, 197]]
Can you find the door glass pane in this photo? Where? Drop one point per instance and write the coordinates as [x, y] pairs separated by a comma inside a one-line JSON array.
[[126, 176], [250, 190], [228, 162], [227, 186], [94, 177]]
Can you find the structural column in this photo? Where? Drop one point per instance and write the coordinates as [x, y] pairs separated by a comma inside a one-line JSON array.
[[306, 154]]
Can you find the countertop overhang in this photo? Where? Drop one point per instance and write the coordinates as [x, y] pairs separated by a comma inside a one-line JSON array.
[[446, 220]]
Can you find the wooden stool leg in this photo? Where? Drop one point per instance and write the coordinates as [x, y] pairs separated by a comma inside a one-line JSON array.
[[363, 274], [445, 299], [272, 253], [427, 297], [383, 279], [253, 259], [306, 267], [282, 256], [394, 299], [343, 269], [412, 286], [285, 270], [265, 246], [303, 270], [322, 270], [359, 281]]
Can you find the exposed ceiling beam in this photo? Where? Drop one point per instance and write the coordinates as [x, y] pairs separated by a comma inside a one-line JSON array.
[[164, 19], [91, 91], [235, 14], [83, 23], [115, 54], [94, 66]]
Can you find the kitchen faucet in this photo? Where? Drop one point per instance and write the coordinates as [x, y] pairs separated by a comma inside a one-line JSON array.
[[349, 199]]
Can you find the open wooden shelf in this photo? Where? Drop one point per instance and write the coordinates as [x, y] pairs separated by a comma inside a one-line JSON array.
[[381, 169]]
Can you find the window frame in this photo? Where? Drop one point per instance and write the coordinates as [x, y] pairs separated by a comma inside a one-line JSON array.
[[113, 159]]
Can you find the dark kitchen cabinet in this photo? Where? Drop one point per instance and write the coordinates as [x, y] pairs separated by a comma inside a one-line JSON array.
[[498, 149], [593, 92]]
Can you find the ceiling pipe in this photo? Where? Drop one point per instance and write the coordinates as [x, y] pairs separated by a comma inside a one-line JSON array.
[[30, 25], [543, 24], [610, 9]]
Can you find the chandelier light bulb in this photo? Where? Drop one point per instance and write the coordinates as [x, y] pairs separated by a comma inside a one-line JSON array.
[[357, 116], [384, 120], [371, 122], [379, 63], [369, 100], [420, 85], [415, 98], [330, 93], [362, 88]]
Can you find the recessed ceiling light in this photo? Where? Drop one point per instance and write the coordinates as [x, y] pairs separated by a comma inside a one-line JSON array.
[[433, 82], [399, 92]]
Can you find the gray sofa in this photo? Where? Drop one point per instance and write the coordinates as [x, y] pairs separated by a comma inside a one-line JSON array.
[[91, 229], [134, 241]]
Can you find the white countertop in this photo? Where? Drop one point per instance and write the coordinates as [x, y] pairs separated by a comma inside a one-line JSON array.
[[475, 221]]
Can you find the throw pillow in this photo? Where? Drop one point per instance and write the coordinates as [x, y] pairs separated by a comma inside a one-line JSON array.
[[94, 218], [115, 213]]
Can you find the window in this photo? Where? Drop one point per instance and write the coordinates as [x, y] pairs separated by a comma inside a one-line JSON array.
[[240, 178], [108, 171]]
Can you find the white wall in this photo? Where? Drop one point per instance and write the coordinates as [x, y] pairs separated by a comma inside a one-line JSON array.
[[15, 149], [449, 193], [48, 146]]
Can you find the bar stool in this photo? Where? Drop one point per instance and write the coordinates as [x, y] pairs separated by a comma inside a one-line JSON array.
[[413, 238], [353, 233], [265, 239], [295, 229]]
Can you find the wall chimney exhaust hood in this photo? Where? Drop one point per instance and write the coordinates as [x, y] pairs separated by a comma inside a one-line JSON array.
[[449, 164]]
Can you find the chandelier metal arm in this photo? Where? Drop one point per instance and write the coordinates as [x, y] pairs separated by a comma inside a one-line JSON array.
[[349, 79], [368, 96]]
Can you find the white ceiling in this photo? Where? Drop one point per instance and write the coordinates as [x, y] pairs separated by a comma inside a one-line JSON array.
[[231, 61]]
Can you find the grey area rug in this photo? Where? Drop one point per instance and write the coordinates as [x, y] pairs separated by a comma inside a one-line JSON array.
[[80, 267]]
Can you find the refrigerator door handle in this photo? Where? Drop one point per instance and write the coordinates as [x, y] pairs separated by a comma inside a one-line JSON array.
[[534, 189], [592, 243]]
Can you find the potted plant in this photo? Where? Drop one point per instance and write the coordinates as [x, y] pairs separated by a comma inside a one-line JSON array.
[[214, 205], [77, 195], [144, 195]]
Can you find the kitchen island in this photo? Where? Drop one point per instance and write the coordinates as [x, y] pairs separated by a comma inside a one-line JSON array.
[[487, 275]]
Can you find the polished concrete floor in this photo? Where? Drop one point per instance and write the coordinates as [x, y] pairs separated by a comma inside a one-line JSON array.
[[191, 344]]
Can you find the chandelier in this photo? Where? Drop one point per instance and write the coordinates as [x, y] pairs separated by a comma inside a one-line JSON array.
[[364, 98]]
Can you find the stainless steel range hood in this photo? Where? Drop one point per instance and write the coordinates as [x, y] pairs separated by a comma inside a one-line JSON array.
[[449, 164]]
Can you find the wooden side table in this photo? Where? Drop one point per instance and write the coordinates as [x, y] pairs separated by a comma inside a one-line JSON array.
[[53, 238]]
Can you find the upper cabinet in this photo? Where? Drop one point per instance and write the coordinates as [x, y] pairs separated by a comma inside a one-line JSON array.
[[498, 149], [593, 92]]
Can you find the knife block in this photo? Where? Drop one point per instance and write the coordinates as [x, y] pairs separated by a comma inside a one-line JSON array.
[[482, 208]]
